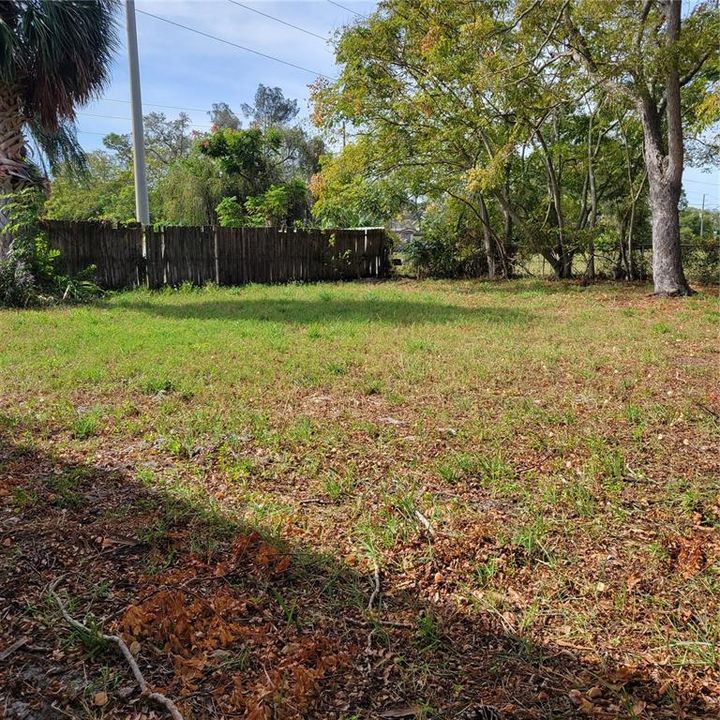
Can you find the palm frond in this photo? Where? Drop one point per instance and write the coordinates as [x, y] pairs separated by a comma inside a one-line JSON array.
[[9, 15], [65, 53], [58, 148]]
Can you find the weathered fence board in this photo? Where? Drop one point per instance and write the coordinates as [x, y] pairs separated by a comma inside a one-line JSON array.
[[130, 255], [115, 251]]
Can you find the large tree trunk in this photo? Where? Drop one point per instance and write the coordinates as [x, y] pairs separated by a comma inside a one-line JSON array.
[[668, 275], [665, 171], [14, 173]]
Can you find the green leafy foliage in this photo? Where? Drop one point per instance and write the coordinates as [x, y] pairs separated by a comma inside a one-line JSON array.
[[191, 175], [28, 275], [280, 205], [230, 213], [346, 195], [505, 108]]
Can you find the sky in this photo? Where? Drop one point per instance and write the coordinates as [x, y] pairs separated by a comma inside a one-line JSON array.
[[182, 70]]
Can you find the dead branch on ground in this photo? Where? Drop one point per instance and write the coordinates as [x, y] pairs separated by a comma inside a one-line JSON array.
[[156, 697]]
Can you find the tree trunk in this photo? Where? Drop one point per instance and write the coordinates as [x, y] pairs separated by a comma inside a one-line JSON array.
[[665, 170], [488, 241], [561, 263], [668, 275], [14, 174]]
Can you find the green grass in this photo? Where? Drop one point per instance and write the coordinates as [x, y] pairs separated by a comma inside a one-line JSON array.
[[533, 423]]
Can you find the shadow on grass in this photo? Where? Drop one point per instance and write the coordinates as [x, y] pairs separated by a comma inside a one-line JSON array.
[[392, 312], [234, 621]]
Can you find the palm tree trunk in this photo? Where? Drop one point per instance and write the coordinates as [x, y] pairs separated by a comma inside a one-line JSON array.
[[13, 171]]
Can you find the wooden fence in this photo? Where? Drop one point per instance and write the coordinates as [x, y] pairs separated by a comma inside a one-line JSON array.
[[226, 256]]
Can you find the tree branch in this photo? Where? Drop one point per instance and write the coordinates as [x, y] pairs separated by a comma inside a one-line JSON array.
[[156, 697]]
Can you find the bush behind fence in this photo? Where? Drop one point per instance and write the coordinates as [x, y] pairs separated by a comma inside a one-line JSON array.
[[226, 256]]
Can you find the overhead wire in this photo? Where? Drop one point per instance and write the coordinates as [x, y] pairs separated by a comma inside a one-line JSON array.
[[149, 104], [118, 117], [279, 20], [236, 45], [342, 7], [227, 42], [246, 7]]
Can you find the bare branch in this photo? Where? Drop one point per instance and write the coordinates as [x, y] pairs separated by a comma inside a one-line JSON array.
[[156, 697], [376, 589]]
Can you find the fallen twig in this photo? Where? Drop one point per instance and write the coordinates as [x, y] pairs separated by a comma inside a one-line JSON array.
[[384, 623], [8, 651], [159, 698], [315, 501], [376, 589], [709, 411], [425, 523]]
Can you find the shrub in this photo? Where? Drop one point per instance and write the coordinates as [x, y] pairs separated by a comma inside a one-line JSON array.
[[230, 213], [28, 275], [702, 258], [450, 245]]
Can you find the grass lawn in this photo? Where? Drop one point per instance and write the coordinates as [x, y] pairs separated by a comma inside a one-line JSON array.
[[343, 500]]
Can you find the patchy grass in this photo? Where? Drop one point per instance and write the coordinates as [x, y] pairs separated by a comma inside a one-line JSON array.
[[531, 466]]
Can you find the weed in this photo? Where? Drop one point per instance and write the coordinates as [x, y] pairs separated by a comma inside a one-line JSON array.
[[372, 386], [634, 414], [428, 634], [100, 590], [86, 423], [157, 385], [237, 661], [529, 616], [531, 539], [24, 498], [155, 533], [90, 638], [146, 477], [337, 486], [289, 608], [581, 497], [65, 486], [486, 571], [301, 431]]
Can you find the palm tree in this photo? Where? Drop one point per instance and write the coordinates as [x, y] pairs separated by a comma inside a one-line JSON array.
[[54, 56]]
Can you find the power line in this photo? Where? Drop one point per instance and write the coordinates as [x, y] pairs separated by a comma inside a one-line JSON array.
[[169, 107], [232, 44], [342, 7], [277, 19], [118, 117], [126, 132], [107, 117]]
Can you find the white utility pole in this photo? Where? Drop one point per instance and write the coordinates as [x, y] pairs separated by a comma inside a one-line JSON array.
[[142, 206]]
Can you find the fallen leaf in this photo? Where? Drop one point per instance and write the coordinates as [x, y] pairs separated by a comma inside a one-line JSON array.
[[100, 699], [400, 711], [580, 701]]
